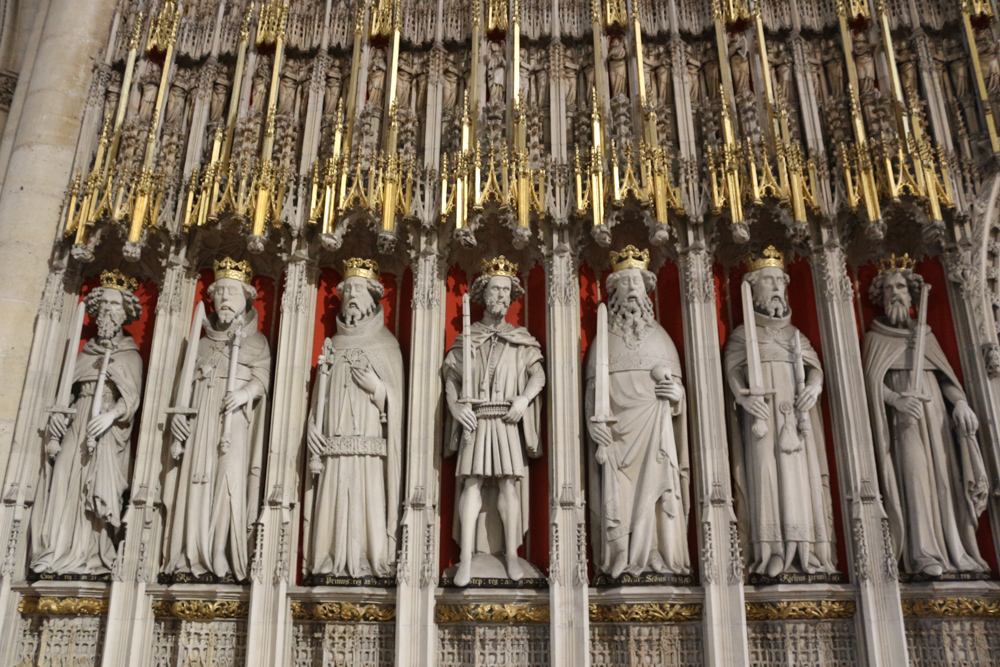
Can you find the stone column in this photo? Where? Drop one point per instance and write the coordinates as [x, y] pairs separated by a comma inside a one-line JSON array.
[[879, 621], [724, 620], [270, 619], [417, 577]]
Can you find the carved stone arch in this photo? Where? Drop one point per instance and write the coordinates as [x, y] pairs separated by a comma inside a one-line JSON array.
[[978, 272]]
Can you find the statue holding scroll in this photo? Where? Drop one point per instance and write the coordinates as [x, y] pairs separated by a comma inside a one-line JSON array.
[[639, 473], [493, 375], [355, 436], [778, 451], [78, 509], [934, 483], [217, 433]]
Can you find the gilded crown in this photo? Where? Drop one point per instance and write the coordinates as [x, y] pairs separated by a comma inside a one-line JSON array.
[[630, 257], [892, 264], [230, 268], [770, 258], [499, 266], [364, 268], [118, 280]]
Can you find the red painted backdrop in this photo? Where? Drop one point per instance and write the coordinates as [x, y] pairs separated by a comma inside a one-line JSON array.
[[939, 318], [528, 311]]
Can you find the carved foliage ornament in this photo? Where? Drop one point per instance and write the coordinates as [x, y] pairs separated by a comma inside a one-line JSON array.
[[63, 606], [201, 610], [342, 611], [492, 613], [652, 612], [800, 610], [966, 607]]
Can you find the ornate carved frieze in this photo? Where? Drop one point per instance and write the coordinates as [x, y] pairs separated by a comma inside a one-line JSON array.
[[52, 606], [952, 607], [651, 612], [491, 613], [800, 610], [201, 610], [342, 612]]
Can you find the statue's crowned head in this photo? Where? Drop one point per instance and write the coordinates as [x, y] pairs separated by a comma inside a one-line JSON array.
[[231, 293], [114, 303], [769, 282], [497, 286], [896, 287], [630, 308], [360, 291]]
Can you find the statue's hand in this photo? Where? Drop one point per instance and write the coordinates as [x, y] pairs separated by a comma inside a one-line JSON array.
[[463, 414], [315, 439], [235, 400], [668, 390], [180, 428], [176, 449], [601, 434], [517, 407], [805, 401], [58, 422], [909, 406], [366, 379], [101, 423], [755, 405], [965, 418]]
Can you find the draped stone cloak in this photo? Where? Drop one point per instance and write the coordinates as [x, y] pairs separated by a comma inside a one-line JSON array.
[[356, 512], [78, 508], [782, 492], [217, 493], [653, 494], [496, 448], [934, 482]]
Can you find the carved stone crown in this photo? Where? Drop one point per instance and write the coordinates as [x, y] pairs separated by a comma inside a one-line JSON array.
[[499, 266], [892, 264], [230, 268], [629, 258], [364, 268], [118, 280], [770, 258]]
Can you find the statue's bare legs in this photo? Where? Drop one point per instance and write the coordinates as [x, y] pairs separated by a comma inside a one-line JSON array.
[[509, 506], [468, 513]]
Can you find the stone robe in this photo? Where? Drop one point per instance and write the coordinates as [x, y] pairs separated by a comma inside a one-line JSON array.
[[78, 508], [504, 359], [356, 511], [650, 500], [782, 479], [217, 493], [934, 482]]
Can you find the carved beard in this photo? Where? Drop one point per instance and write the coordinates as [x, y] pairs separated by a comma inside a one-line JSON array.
[[109, 323], [632, 320], [496, 306], [353, 313], [226, 314], [773, 306], [898, 312]]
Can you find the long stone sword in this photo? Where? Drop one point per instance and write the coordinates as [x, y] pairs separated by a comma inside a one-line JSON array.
[[325, 363], [235, 341], [755, 374], [917, 372], [602, 412], [65, 392], [183, 404], [102, 378]]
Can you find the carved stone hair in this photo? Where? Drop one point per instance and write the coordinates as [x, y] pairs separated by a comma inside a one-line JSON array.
[[248, 291], [375, 288], [130, 302], [648, 280], [478, 290], [914, 284]]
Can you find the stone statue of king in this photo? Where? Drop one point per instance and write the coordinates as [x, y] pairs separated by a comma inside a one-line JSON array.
[[493, 374]]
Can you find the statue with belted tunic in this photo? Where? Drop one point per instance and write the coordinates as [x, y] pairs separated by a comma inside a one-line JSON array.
[[779, 462], [493, 376], [637, 426]]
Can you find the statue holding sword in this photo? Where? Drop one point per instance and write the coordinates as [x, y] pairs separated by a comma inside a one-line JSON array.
[[779, 462], [637, 423], [934, 482], [217, 433]]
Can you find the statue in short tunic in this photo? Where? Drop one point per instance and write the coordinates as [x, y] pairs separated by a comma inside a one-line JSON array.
[[355, 436], [494, 420], [934, 482]]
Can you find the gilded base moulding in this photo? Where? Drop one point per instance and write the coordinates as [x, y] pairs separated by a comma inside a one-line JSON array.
[[342, 611], [963, 607], [492, 613], [816, 610], [651, 612], [48, 606], [201, 610]]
